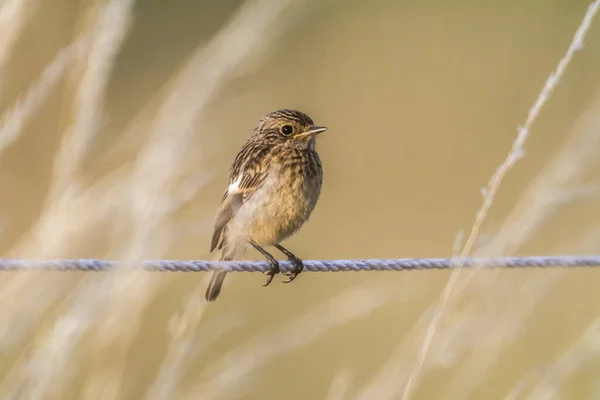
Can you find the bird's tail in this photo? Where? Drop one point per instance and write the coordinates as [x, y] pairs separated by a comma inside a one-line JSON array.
[[216, 280], [214, 286]]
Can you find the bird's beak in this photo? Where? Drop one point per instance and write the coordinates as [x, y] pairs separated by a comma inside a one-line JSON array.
[[315, 130]]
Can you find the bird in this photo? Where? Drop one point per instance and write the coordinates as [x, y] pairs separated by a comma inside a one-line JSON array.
[[274, 185]]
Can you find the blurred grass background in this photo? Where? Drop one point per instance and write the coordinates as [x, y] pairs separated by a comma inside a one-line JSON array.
[[422, 101]]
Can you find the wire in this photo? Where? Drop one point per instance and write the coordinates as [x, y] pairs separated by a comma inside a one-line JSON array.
[[402, 264]]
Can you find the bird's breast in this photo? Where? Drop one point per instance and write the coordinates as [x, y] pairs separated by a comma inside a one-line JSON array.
[[284, 203]]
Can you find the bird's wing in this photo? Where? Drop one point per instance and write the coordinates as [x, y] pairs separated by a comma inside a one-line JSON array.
[[247, 175]]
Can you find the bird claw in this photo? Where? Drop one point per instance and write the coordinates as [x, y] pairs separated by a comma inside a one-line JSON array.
[[269, 278], [295, 271], [271, 272]]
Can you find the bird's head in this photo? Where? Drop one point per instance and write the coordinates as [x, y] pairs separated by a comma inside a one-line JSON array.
[[288, 126]]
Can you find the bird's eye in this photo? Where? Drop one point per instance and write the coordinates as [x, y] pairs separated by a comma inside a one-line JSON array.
[[287, 130]]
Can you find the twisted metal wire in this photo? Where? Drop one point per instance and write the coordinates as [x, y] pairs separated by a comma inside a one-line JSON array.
[[400, 264]]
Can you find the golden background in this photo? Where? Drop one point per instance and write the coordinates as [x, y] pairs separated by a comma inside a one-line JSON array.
[[423, 101]]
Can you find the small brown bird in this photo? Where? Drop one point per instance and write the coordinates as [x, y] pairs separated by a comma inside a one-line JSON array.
[[274, 186]]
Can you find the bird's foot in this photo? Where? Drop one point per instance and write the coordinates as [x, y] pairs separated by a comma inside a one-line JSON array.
[[272, 271], [298, 267]]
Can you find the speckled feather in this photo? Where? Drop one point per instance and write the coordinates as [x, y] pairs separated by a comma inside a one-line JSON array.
[[274, 185], [296, 164]]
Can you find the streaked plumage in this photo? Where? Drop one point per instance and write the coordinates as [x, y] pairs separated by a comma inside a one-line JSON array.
[[274, 186]]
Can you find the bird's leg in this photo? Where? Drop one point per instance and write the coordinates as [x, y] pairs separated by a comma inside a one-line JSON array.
[[274, 270], [296, 262]]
